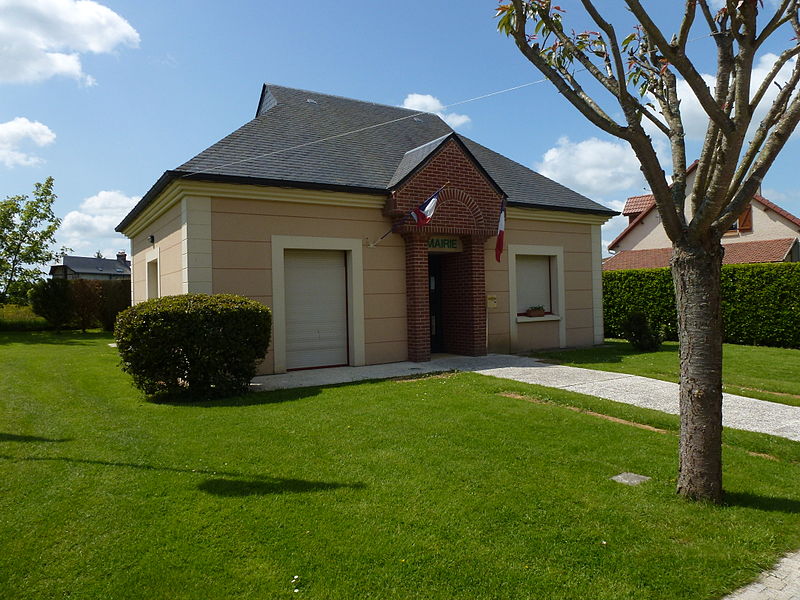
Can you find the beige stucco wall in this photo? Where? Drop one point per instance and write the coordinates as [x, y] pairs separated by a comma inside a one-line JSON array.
[[229, 232], [576, 324], [241, 232], [646, 234], [167, 247]]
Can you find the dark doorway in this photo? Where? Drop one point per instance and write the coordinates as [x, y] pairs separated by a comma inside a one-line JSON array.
[[435, 299]]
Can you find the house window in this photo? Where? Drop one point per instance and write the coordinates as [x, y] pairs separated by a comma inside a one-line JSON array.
[[744, 222], [537, 283]]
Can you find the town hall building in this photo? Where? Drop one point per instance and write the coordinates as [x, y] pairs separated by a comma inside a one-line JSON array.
[[292, 208]]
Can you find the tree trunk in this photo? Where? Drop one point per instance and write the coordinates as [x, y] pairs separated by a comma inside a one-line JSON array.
[[696, 273]]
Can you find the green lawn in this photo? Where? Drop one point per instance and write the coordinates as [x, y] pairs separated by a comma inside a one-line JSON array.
[[755, 371], [457, 486]]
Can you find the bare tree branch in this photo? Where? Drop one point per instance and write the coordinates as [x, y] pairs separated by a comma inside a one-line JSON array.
[[587, 107], [712, 25], [785, 57], [777, 110], [777, 140], [686, 25], [684, 67], [781, 17]]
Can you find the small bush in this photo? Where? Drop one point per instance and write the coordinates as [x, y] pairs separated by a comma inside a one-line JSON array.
[[194, 344], [115, 296], [52, 299], [641, 332]]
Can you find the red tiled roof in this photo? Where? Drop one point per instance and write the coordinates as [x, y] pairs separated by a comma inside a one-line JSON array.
[[636, 204], [766, 251], [653, 258]]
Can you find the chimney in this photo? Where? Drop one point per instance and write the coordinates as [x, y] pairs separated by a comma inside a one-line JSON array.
[[122, 257]]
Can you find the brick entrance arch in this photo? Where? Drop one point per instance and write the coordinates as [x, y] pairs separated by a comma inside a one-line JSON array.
[[468, 208]]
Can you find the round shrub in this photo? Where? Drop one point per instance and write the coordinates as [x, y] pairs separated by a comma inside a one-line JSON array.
[[194, 344], [642, 334]]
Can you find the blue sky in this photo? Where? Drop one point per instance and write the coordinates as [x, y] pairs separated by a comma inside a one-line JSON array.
[[105, 96]]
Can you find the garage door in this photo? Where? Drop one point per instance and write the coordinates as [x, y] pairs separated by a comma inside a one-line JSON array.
[[316, 308]]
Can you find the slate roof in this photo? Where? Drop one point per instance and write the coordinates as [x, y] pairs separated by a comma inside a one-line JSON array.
[[90, 264], [307, 139], [768, 251]]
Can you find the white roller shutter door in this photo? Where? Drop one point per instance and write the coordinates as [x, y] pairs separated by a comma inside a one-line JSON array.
[[316, 308]]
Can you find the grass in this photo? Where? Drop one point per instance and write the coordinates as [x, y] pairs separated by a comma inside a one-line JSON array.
[[758, 372], [457, 486], [15, 317]]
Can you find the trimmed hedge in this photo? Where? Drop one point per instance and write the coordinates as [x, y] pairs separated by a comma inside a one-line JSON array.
[[760, 302], [52, 300], [81, 303], [193, 344], [115, 296]]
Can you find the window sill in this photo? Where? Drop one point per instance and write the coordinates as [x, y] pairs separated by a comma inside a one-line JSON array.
[[523, 319]]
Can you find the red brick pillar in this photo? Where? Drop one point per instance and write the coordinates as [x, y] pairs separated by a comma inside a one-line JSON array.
[[475, 336], [417, 306]]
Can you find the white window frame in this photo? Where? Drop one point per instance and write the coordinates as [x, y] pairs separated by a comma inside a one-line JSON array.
[[353, 249], [556, 255]]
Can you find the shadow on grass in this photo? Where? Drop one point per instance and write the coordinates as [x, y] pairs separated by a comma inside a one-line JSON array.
[[612, 351], [765, 503], [12, 437], [245, 484], [247, 399], [65, 338], [230, 488]]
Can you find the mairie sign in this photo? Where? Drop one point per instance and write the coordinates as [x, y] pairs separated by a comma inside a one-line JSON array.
[[444, 244]]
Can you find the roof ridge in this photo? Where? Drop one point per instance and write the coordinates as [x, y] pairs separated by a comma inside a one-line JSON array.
[[338, 97]]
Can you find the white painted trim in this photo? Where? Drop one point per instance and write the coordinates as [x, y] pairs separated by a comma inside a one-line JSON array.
[[532, 250], [353, 248], [196, 247], [536, 214], [150, 256], [597, 284], [522, 319]]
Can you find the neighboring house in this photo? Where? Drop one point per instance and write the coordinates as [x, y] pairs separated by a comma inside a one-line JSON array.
[[763, 233], [86, 267], [289, 208]]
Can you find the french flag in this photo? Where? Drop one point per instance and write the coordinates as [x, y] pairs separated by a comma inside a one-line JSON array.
[[423, 214], [501, 232]]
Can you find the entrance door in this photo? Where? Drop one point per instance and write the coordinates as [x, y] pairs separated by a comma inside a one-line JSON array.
[[316, 308], [435, 299]]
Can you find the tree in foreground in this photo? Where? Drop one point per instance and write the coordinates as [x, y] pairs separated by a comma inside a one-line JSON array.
[[27, 235], [639, 74]]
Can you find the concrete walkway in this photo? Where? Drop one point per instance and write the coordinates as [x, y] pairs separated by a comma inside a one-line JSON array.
[[738, 412], [781, 583]]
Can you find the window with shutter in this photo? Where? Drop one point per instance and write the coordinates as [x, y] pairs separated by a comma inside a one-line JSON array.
[[746, 219]]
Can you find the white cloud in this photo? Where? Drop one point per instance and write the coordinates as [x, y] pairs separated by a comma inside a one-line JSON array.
[[45, 38], [596, 168], [431, 104], [14, 134], [91, 228]]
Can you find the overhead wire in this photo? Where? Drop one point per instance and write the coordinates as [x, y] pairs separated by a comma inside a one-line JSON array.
[[384, 123]]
